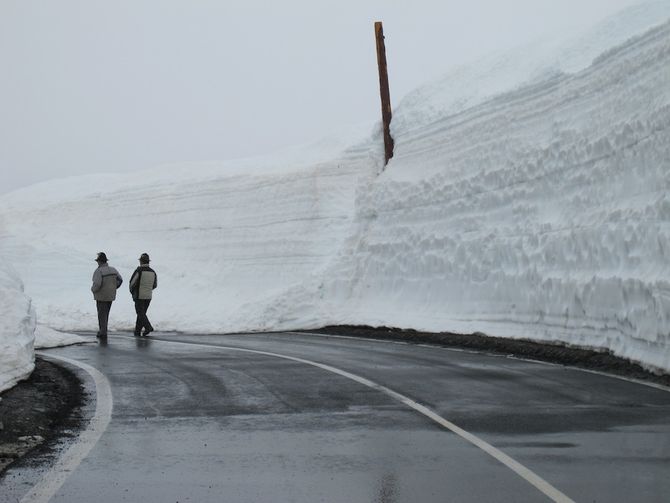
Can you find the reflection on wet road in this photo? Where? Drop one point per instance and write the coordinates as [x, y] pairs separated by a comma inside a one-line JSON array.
[[196, 420]]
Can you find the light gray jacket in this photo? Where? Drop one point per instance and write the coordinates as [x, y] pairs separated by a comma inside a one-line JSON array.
[[106, 280]]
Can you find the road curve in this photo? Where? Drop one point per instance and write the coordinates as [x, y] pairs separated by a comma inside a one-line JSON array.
[[300, 417]]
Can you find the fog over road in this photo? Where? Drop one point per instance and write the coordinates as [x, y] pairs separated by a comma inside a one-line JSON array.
[[297, 417]]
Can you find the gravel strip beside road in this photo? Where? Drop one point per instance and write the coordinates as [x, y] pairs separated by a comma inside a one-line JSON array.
[[553, 353], [37, 410]]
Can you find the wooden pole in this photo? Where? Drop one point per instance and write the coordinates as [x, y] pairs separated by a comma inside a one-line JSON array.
[[384, 92]]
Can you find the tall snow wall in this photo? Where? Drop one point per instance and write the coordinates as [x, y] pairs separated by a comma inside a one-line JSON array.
[[17, 330], [226, 239], [543, 214]]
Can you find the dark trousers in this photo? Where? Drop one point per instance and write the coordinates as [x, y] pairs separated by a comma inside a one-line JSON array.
[[141, 307], [103, 316]]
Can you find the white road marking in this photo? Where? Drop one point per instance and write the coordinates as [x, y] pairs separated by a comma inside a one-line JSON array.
[[525, 473], [510, 357], [52, 480]]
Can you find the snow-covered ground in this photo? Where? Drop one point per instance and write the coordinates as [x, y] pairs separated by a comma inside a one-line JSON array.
[[531, 205]]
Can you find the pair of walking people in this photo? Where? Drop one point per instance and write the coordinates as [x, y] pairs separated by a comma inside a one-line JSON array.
[[106, 280]]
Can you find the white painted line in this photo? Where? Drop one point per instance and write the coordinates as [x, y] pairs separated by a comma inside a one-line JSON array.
[[52, 480], [590, 371], [498, 355], [525, 473]]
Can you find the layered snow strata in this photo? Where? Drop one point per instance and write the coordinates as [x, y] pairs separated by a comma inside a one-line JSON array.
[[543, 213], [540, 213], [224, 245]]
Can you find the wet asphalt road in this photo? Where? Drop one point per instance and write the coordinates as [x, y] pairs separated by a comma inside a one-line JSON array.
[[194, 421]]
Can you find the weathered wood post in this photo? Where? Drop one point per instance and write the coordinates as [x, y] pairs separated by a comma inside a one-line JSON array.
[[384, 92]]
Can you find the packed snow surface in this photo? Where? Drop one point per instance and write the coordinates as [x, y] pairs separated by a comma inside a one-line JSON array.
[[527, 198]]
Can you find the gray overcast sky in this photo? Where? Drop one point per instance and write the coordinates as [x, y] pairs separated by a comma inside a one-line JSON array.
[[94, 85]]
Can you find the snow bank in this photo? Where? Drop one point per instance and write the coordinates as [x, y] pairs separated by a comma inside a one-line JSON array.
[[543, 213], [540, 213], [470, 85], [47, 337], [225, 238], [17, 326], [532, 206]]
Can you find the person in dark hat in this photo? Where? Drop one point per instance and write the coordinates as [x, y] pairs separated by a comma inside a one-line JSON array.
[[142, 284], [106, 280]]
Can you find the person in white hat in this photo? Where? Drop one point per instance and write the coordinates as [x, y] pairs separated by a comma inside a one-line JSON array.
[[142, 283]]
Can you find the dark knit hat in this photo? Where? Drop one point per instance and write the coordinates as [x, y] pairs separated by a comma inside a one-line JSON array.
[[144, 258], [102, 258]]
